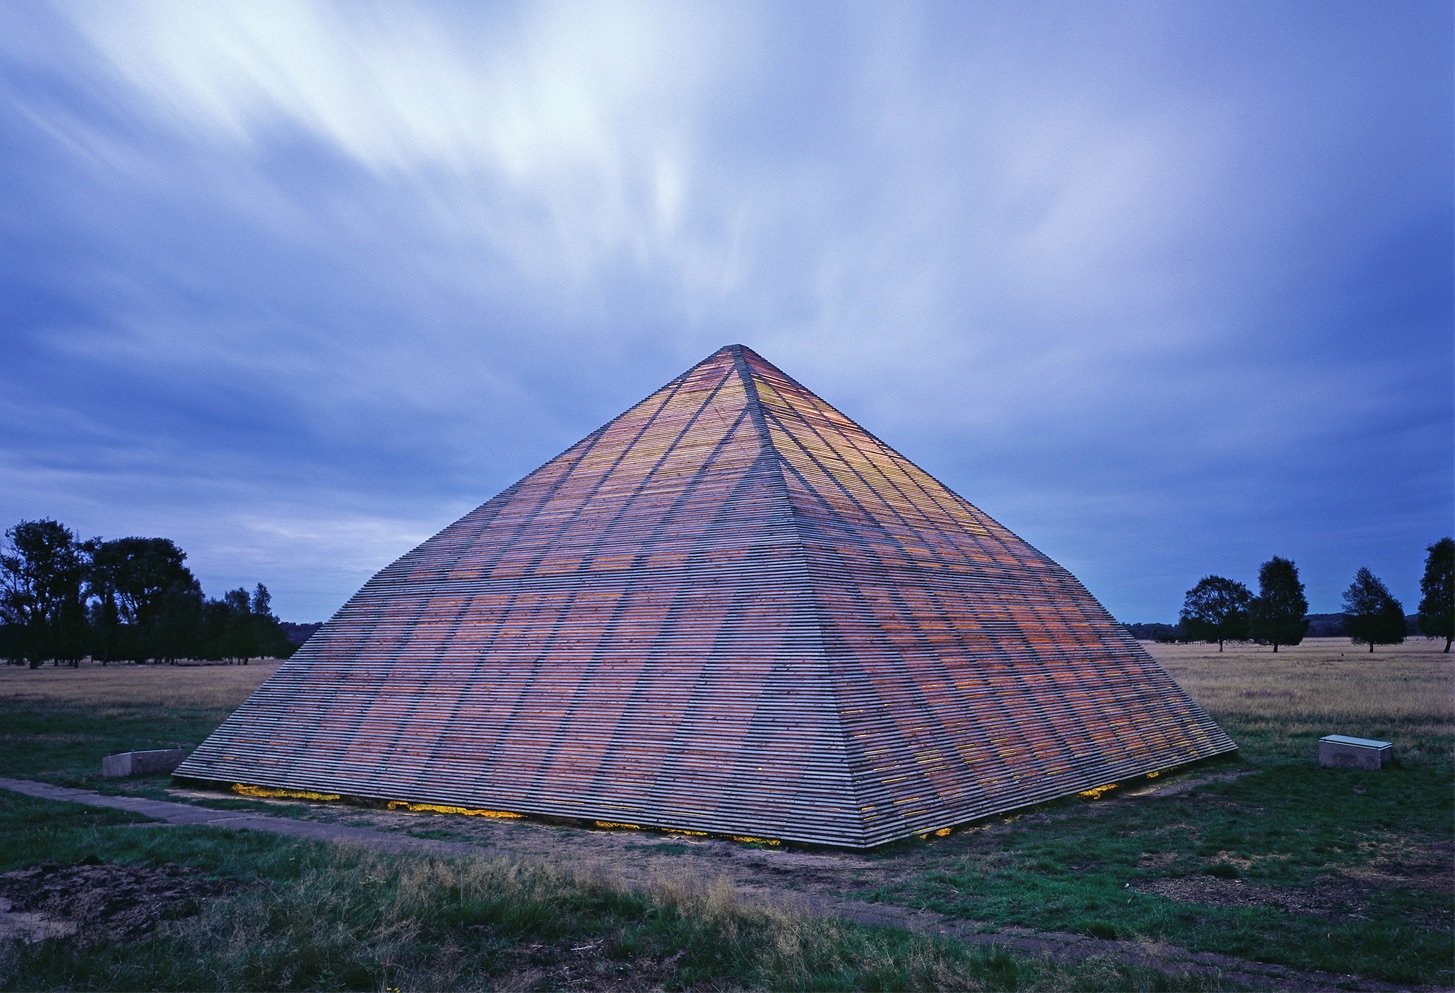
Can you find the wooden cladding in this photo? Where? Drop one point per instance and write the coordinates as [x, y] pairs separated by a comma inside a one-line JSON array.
[[731, 610]]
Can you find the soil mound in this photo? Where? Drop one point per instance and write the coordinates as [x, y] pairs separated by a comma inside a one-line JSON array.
[[94, 900]]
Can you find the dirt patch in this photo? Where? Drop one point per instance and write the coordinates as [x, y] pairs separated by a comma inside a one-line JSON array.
[[1339, 895], [1182, 785], [1335, 897], [1412, 876], [31, 927], [597, 964], [1396, 861], [95, 900]]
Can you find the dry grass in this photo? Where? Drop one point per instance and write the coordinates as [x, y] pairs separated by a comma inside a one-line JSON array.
[[1402, 693], [200, 685], [1322, 681]]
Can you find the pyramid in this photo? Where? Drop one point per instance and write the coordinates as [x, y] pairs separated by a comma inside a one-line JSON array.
[[729, 610]]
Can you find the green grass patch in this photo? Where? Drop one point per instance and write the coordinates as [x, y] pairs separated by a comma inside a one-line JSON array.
[[1306, 867], [305, 916], [62, 744]]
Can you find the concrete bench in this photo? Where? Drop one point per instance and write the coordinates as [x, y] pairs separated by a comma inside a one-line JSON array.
[[142, 763], [1338, 751]]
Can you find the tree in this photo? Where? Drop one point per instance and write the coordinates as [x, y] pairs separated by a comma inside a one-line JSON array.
[[1372, 615], [268, 635], [180, 630], [134, 598], [130, 577], [1216, 609], [152, 565], [43, 568], [1279, 613], [108, 639], [239, 627], [1437, 592]]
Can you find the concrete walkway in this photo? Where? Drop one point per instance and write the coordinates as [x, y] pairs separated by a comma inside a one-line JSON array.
[[170, 812], [1058, 946]]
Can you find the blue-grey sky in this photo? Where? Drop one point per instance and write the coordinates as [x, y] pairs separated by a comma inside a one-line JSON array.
[[1164, 287]]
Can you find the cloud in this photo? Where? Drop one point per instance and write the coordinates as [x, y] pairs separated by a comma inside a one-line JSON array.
[[1144, 282], [553, 132]]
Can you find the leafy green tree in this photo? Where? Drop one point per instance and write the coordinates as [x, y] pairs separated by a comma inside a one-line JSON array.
[[43, 568], [1437, 592], [181, 626], [1216, 609], [124, 598], [270, 639], [109, 639], [138, 573], [1279, 612], [239, 628], [1372, 615], [130, 578]]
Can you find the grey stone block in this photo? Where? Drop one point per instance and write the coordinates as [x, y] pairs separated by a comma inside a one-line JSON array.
[[1337, 751], [141, 763]]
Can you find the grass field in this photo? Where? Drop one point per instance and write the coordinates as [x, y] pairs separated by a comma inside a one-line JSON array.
[[57, 722], [1262, 856], [1280, 702]]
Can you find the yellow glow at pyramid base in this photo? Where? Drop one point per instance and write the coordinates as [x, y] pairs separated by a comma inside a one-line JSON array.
[[438, 808], [267, 791]]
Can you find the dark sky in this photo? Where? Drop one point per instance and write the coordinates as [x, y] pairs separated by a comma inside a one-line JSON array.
[[1165, 288]]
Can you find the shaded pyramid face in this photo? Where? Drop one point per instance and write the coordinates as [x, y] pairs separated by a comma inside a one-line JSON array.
[[729, 610]]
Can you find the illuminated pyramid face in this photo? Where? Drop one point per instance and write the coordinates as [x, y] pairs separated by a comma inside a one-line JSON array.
[[729, 610]]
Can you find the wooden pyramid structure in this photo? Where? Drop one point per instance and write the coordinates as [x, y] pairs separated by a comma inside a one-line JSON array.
[[729, 610]]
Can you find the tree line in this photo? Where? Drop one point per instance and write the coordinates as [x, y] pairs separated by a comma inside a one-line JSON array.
[[124, 599], [1221, 609]]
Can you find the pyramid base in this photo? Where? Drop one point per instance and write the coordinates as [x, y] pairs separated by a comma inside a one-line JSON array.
[[269, 792]]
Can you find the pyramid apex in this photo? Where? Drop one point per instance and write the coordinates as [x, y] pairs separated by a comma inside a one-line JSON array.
[[736, 350]]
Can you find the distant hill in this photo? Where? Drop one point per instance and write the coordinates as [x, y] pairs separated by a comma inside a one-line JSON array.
[[1326, 626], [1152, 632], [299, 633], [1332, 625]]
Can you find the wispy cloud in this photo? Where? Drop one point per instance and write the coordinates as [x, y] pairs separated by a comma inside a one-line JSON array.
[[558, 135], [294, 283]]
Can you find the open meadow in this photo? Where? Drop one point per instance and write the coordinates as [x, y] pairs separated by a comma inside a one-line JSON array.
[[1279, 701], [1183, 881], [96, 688]]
